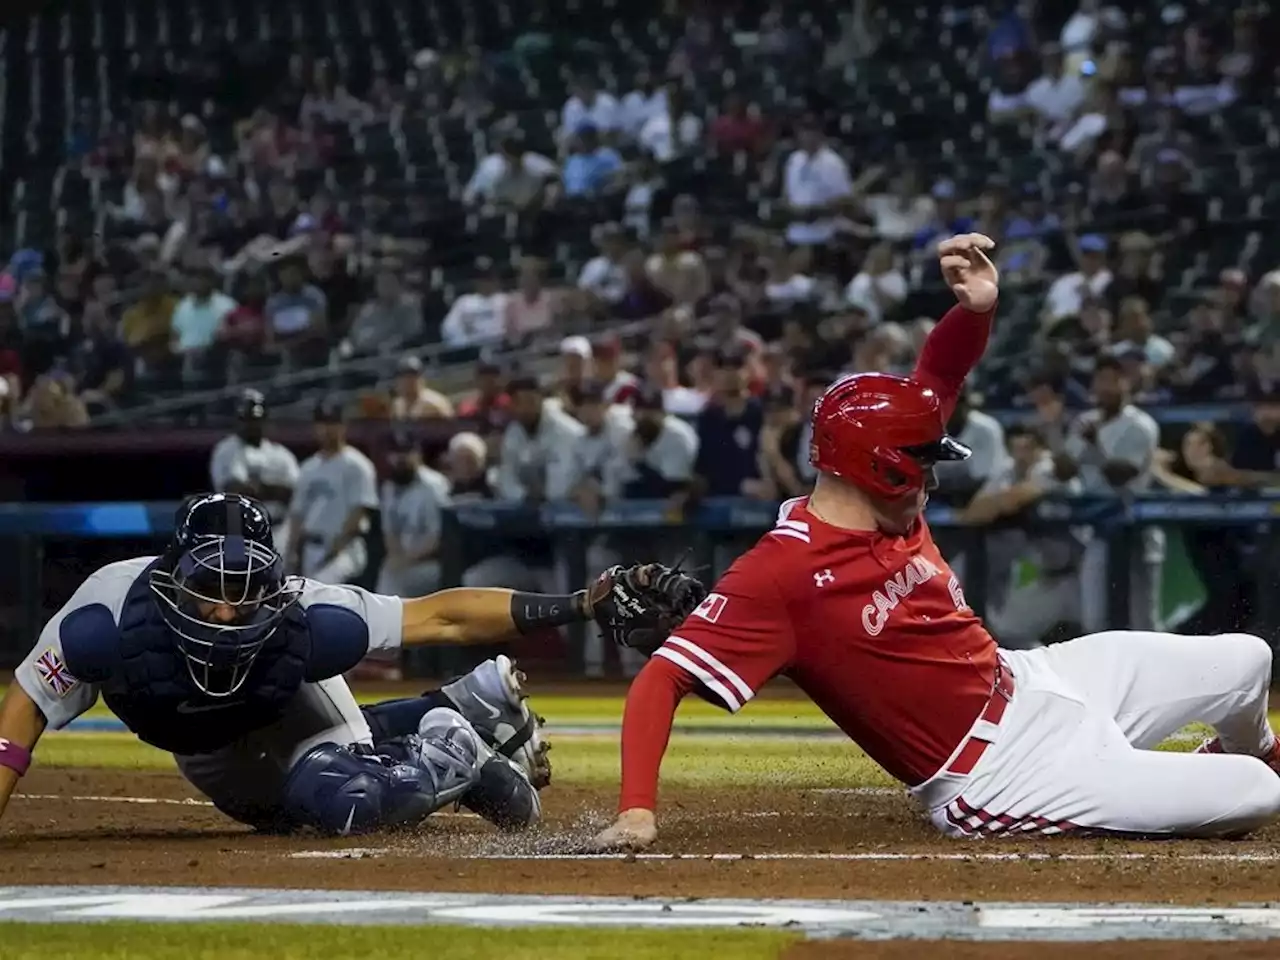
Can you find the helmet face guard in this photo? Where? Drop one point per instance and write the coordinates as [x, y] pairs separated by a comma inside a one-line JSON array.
[[882, 434], [223, 597]]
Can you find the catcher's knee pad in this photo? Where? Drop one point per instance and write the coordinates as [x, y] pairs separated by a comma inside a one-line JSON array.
[[504, 796], [452, 753], [341, 790]]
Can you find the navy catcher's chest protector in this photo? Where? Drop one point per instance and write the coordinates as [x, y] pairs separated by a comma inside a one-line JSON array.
[[147, 685]]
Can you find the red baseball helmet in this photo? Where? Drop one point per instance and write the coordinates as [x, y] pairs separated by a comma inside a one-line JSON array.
[[881, 433]]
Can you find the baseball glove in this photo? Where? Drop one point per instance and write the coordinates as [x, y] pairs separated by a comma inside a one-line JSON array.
[[639, 606]]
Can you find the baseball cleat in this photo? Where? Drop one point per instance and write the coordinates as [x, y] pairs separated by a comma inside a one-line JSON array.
[[493, 700], [1271, 758]]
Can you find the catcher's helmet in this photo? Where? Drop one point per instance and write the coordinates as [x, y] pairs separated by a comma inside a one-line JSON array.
[[881, 433], [221, 588]]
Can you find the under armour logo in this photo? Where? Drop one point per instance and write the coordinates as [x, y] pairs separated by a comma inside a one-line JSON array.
[[822, 578]]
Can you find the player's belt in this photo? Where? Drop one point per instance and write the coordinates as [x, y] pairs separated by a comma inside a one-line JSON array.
[[983, 733]]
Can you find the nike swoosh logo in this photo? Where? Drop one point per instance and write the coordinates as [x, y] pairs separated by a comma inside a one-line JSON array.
[[493, 711], [186, 707], [350, 818]]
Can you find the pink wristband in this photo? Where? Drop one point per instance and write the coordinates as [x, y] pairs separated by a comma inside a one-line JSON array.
[[14, 757]]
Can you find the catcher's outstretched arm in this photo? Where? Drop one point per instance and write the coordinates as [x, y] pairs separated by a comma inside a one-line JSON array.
[[484, 615], [21, 724]]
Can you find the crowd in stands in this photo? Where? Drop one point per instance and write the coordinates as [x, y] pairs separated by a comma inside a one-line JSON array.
[[754, 234]]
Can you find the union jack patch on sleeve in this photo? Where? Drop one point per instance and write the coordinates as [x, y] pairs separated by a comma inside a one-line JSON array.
[[55, 674]]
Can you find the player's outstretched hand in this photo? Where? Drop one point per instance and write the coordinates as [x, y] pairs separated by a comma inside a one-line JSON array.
[[633, 830], [639, 606], [969, 272]]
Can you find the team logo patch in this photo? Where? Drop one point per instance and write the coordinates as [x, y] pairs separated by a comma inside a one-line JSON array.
[[54, 673], [711, 608]]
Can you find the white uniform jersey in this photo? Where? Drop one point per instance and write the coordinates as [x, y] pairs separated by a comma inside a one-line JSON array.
[[235, 462], [1131, 436], [61, 697], [542, 462], [329, 488], [412, 513], [672, 454]]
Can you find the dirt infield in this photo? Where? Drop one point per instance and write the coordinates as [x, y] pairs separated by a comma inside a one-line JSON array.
[[95, 841]]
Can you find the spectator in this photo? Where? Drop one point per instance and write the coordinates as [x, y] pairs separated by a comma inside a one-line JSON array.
[[491, 402], [603, 276], [816, 186], [196, 321], [644, 102], [243, 334], [391, 319], [739, 127], [662, 373], [52, 404], [536, 461], [691, 231], [779, 447], [1007, 101], [619, 385], [1111, 195], [1207, 366], [296, 318], [412, 501], [466, 468], [597, 451], [532, 308], [661, 452], [412, 399], [903, 212], [1137, 332], [101, 362], [644, 180], [729, 431], [790, 278], [679, 272], [591, 169], [959, 481], [477, 317], [147, 326], [879, 287], [672, 133], [1048, 396], [589, 106], [575, 365], [947, 220], [1092, 121], [642, 298], [46, 327], [1068, 293], [1055, 95], [1138, 273], [511, 178], [1111, 449]]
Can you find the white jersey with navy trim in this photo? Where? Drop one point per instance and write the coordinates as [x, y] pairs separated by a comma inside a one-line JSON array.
[[45, 677]]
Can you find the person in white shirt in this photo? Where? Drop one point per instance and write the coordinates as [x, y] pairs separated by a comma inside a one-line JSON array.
[[197, 319], [879, 287], [413, 498], [641, 105], [791, 278], [477, 317], [1055, 95], [904, 211], [1136, 332], [1069, 292], [510, 177], [669, 134], [602, 276], [1090, 123], [247, 462], [816, 186], [589, 106]]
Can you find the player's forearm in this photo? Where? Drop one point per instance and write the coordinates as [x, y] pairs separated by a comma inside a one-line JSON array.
[[953, 348], [483, 615], [646, 730], [21, 724]]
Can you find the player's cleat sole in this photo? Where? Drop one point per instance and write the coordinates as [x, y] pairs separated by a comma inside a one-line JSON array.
[[493, 700]]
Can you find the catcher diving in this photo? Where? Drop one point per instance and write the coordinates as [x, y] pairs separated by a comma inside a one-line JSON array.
[[211, 653]]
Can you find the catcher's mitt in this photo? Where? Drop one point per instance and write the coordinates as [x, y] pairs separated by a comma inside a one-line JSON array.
[[639, 606]]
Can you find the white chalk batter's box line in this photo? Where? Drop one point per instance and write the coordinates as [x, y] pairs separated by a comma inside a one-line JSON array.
[[361, 853]]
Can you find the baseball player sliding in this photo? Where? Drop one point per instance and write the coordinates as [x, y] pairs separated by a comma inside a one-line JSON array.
[[210, 652], [849, 597]]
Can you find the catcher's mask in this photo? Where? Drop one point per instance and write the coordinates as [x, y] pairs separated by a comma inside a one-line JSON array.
[[222, 589], [883, 434]]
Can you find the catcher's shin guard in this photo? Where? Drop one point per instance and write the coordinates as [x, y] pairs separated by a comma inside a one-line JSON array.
[[344, 790]]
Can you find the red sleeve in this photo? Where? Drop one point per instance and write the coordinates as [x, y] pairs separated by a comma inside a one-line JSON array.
[[646, 729], [952, 349]]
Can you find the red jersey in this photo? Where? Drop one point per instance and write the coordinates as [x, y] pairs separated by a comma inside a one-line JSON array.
[[874, 628]]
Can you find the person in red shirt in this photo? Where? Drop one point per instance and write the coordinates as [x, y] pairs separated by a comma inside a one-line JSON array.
[[849, 597]]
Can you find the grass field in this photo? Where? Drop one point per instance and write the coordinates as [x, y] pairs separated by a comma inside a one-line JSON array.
[[246, 941]]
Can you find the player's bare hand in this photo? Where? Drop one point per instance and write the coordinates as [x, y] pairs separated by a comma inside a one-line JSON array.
[[969, 272], [634, 829]]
